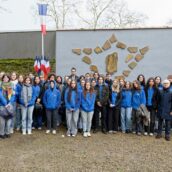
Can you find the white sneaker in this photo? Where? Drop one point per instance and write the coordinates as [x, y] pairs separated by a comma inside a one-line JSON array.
[[47, 131], [85, 134], [54, 132], [39, 128], [24, 132], [68, 135], [89, 134], [33, 128], [134, 132], [145, 133], [29, 132], [139, 134], [123, 132], [17, 129], [73, 135], [110, 132], [151, 134], [11, 131]]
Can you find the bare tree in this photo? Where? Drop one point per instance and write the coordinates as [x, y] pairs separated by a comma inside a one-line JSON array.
[[60, 11], [120, 16], [95, 11]]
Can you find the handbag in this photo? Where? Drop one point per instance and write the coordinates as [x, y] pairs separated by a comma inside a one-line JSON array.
[[7, 112]]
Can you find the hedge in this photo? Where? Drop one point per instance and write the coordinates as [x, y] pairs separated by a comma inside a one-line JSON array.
[[21, 66]]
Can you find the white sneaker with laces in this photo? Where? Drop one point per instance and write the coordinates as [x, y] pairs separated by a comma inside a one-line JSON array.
[[151, 134], [54, 132], [47, 131]]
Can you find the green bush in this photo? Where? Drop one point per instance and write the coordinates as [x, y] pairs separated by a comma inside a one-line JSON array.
[[21, 66]]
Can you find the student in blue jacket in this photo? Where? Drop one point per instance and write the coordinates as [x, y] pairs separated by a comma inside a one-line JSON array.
[[142, 81], [151, 93], [7, 97], [114, 107], [88, 98], [126, 107], [138, 98], [52, 101], [72, 103], [158, 83], [27, 100]]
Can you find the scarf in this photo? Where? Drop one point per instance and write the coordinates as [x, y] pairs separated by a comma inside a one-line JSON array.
[[7, 90], [26, 93]]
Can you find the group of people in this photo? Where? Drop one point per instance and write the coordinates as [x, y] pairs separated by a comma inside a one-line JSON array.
[[91, 101]]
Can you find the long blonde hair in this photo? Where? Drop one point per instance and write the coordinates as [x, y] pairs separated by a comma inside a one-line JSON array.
[[117, 87]]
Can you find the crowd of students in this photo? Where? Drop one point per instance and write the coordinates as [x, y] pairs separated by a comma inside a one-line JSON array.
[[85, 103]]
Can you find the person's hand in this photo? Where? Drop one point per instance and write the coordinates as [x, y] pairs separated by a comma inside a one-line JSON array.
[[112, 105], [171, 113], [99, 104]]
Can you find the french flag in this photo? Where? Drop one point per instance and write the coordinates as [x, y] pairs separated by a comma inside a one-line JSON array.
[[43, 12]]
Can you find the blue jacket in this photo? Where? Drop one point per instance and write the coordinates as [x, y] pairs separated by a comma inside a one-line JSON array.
[[18, 91], [75, 100], [4, 101], [126, 98], [31, 101], [37, 90], [88, 101], [52, 98], [138, 98]]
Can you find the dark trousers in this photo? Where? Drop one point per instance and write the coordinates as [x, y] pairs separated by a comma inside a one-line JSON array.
[[37, 118], [152, 120], [167, 126], [103, 117], [51, 118], [137, 122], [113, 119]]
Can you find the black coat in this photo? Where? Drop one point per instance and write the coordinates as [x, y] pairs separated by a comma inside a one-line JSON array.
[[165, 104]]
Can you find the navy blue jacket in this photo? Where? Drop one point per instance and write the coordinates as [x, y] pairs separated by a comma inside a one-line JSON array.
[[126, 98], [88, 101], [52, 98], [165, 104]]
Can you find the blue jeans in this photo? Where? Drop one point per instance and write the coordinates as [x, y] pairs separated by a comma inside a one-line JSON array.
[[126, 118], [86, 120], [167, 126], [5, 126], [72, 121], [27, 113], [18, 116]]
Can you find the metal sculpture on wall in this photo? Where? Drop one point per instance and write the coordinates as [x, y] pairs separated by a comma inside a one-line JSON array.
[[111, 61]]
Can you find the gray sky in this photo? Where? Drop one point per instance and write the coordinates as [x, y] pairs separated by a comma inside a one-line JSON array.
[[20, 15]]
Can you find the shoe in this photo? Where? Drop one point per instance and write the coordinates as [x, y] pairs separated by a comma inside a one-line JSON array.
[[33, 128], [24, 132], [95, 131], [145, 133], [88, 134], [54, 132], [7, 136], [123, 132], [29, 132], [134, 132], [158, 136], [139, 134], [104, 131], [167, 138], [39, 128], [80, 130], [68, 135], [73, 135], [151, 134], [2, 137], [11, 131], [114, 132], [85, 134], [110, 132], [47, 131]]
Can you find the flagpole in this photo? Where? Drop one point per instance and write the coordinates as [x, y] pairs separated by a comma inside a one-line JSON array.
[[42, 46]]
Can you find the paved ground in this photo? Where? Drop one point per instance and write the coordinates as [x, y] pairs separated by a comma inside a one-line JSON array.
[[100, 153]]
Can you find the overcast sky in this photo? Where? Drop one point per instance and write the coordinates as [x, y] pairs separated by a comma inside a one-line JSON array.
[[20, 15]]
